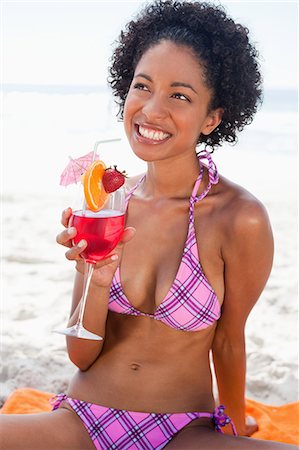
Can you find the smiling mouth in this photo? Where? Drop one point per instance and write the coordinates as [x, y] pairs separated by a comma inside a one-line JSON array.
[[151, 134]]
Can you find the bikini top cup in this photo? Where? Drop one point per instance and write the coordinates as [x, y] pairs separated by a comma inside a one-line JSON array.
[[191, 303]]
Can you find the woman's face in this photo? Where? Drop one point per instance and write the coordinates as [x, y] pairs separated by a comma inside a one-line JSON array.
[[166, 108]]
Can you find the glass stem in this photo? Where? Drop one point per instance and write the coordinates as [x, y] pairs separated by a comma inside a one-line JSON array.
[[87, 277]]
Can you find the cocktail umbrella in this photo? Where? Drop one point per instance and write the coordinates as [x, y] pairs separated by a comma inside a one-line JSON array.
[[76, 167]]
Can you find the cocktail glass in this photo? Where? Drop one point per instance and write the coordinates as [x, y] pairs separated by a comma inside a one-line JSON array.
[[102, 230]]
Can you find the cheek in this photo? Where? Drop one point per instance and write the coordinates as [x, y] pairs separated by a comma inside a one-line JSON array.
[[129, 106], [188, 124], [127, 114], [132, 106]]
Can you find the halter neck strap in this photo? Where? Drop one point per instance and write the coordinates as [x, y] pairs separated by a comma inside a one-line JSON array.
[[213, 176], [213, 179], [131, 192]]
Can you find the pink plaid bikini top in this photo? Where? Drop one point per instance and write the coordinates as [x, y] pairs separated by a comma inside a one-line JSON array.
[[191, 303]]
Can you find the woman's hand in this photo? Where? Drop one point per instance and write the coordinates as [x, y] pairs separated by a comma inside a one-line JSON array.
[[104, 269], [251, 426]]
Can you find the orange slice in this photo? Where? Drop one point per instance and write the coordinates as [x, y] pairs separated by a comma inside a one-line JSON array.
[[95, 194]]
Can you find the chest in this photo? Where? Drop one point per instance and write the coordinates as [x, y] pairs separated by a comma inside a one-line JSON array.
[[152, 259]]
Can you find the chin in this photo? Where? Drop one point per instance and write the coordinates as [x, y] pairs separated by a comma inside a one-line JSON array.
[[145, 156]]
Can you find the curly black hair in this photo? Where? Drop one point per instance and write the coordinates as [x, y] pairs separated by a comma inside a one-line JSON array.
[[229, 60]]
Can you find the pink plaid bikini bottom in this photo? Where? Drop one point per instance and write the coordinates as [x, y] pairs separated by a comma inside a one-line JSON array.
[[119, 429]]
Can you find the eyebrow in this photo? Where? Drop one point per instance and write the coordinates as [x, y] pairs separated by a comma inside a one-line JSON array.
[[174, 84]]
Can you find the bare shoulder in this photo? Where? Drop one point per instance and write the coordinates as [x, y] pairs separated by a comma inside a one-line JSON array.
[[246, 249], [241, 212]]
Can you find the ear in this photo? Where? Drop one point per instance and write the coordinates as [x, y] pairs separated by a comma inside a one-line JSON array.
[[212, 121]]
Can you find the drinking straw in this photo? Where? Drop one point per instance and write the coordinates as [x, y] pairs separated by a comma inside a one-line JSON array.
[[93, 159], [101, 142]]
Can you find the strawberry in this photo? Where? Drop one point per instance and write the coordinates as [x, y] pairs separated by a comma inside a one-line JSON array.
[[113, 179]]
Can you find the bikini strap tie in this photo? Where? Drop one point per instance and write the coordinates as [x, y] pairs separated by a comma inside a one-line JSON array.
[[57, 400], [213, 179], [213, 176], [222, 420]]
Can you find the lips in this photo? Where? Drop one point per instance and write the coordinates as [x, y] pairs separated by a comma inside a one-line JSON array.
[[151, 134]]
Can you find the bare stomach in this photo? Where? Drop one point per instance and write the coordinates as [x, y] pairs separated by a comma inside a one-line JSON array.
[[147, 366]]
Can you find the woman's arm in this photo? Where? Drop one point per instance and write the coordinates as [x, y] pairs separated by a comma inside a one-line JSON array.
[[84, 352], [248, 257]]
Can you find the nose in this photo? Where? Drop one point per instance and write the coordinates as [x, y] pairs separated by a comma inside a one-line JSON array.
[[155, 108]]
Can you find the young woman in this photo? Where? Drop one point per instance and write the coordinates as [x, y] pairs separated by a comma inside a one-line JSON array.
[[194, 258]]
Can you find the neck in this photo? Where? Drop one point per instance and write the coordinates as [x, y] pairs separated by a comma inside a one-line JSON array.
[[171, 179]]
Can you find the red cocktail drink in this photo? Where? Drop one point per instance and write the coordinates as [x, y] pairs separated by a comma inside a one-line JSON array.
[[102, 231]]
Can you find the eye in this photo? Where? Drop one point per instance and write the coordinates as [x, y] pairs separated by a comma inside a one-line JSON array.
[[180, 96], [140, 87]]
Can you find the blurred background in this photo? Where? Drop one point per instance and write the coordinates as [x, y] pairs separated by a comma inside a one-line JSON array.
[[56, 101]]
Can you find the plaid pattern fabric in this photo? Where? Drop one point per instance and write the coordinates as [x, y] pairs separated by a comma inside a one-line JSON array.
[[111, 428], [191, 303]]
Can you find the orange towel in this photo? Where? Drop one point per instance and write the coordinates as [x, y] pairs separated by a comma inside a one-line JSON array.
[[276, 423], [27, 401]]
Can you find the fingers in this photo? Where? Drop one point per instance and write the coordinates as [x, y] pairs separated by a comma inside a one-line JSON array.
[[115, 255], [74, 253], [251, 426], [128, 234], [109, 260], [65, 216], [66, 236]]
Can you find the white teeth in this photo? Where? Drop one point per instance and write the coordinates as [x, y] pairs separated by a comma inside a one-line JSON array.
[[152, 134]]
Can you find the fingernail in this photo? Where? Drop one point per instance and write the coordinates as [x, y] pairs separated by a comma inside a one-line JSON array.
[[70, 230], [114, 257], [81, 243]]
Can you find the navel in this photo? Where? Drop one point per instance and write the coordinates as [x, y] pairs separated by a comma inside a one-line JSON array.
[[135, 366]]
